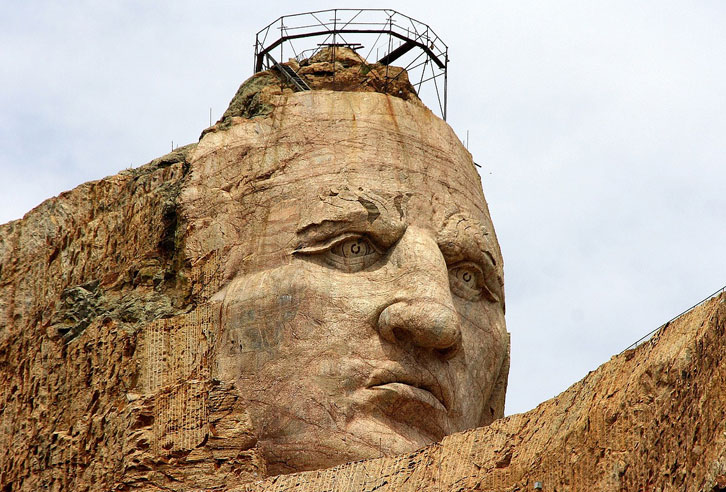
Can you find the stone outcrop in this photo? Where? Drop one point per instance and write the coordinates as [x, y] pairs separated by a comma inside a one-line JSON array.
[[149, 319], [339, 69], [80, 276], [328, 255]]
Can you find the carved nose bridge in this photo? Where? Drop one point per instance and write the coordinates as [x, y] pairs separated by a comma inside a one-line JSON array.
[[423, 311]]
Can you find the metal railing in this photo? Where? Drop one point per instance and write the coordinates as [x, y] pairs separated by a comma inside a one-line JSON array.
[[394, 36], [648, 335]]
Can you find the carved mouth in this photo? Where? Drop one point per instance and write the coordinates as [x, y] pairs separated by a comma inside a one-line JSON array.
[[424, 389]]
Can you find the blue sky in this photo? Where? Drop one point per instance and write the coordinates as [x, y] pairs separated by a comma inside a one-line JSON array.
[[599, 125]]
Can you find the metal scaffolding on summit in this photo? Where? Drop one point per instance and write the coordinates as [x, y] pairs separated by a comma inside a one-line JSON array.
[[394, 37]]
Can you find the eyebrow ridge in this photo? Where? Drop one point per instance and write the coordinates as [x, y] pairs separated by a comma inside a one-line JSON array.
[[468, 241], [386, 230]]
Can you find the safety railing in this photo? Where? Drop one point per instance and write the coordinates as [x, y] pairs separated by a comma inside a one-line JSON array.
[[392, 36], [648, 335]]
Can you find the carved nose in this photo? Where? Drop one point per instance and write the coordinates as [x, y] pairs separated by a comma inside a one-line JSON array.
[[422, 310], [426, 323]]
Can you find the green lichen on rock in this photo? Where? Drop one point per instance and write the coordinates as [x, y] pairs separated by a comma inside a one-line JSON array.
[[248, 101], [253, 98]]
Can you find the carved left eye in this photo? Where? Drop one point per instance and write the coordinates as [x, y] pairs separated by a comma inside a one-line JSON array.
[[464, 281], [467, 281]]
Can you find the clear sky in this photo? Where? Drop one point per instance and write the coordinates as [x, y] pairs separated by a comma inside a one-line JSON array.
[[600, 127]]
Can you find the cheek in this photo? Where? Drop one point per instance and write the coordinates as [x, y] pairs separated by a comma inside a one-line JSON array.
[[258, 320], [484, 341], [295, 316]]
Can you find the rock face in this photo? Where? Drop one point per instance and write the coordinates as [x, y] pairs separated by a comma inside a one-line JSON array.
[[353, 251], [652, 418], [316, 281]]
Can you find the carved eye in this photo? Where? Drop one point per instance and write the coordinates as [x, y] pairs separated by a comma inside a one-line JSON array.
[[467, 281], [349, 253], [354, 247]]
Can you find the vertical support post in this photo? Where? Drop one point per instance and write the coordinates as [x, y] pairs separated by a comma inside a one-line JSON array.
[[446, 82], [257, 53], [335, 40], [388, 52]]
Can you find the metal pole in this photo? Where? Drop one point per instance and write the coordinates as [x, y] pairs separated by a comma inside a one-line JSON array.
[[446, 85], [388, 52]]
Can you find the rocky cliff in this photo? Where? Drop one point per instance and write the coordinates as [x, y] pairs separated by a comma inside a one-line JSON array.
[[109, 308], [106, 316]]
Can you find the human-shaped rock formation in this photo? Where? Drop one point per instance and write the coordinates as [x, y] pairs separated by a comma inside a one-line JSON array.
[[362, 307], [316, 281]]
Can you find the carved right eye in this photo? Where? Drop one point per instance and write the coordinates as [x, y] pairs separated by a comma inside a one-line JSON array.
[[467, 280], [349, 252]]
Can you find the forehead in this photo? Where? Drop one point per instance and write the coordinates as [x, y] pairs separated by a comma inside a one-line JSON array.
[[264, 173], [370, 142]]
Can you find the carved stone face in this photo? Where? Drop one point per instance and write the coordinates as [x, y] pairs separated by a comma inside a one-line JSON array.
[[365, 311]]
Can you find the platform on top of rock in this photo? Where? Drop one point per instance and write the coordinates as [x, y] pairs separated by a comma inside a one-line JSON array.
[[325, 40]]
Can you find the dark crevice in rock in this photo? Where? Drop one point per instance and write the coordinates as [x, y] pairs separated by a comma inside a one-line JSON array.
[[170, 220]]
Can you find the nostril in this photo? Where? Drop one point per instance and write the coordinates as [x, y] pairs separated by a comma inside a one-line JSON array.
[[423, 323], [448, 352], [401, 335]]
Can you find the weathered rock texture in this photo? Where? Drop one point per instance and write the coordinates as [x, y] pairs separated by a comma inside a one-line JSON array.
[[651, 419], [316, 281], [80, 275], [339, 69], [351, 250]]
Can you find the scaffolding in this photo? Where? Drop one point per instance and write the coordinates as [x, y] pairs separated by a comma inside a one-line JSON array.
[[394, 37]]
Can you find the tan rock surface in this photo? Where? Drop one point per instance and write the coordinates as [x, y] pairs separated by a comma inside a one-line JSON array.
[[316, 281], [80, 275], [362, 307], [651, 419]]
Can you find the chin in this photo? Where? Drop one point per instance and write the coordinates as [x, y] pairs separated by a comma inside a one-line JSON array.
[[365, 437], [316, 451]]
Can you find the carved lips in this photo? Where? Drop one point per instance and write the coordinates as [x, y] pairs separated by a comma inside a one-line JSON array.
[[414, 385]]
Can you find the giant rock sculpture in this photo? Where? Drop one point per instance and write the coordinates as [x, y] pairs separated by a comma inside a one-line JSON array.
[[317, 281]]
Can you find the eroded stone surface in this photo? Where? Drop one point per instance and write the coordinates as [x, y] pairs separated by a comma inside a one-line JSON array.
[[80, 275], [316, 281]]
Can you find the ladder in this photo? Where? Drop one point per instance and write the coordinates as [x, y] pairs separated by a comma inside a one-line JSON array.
[[289, 74]]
